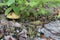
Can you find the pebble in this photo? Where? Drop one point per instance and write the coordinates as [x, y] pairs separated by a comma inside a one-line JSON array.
[[23, 34]]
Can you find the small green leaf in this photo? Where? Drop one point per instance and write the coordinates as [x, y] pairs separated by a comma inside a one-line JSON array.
[[10, 2], [8, 10], [26, 3], [32, 4], [22, 8], [28, 13], [35, 14], [16, 9], [2, 4], [43, 11]]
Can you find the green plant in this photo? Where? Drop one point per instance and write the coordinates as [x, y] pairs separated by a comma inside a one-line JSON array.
[[25, 8], [11, 4]]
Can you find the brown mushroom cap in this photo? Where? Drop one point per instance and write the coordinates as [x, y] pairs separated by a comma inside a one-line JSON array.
[[12, 15]]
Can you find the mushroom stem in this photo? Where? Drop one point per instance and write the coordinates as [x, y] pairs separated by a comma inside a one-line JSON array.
[[14, 21]]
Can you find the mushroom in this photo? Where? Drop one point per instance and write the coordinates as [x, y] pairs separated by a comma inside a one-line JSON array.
[[12, 15]]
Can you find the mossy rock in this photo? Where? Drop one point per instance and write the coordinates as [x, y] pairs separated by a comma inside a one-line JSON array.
[[36, 22]]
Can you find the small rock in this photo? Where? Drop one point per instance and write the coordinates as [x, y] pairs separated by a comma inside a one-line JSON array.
[[15, 24], [21, 38], [4, 22], [53, 29], [1, 33], [23, 34], [11, 23], [8, 37]]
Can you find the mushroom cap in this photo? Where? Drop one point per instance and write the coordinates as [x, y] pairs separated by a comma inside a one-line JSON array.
[[12, 15]]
